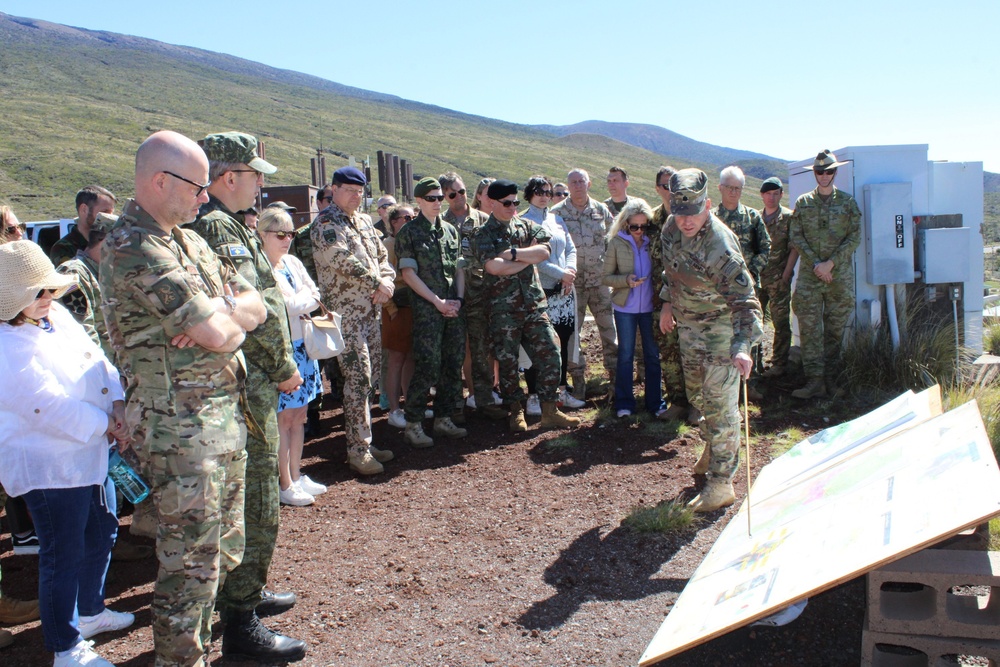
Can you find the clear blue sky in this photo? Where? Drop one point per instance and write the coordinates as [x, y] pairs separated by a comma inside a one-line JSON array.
[[782, 78]]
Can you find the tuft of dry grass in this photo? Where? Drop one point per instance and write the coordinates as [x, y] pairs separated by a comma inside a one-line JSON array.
[[669, 516]]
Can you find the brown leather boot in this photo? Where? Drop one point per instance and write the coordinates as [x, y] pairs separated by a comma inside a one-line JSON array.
[[516, 419], [813, 389], [553, 418]]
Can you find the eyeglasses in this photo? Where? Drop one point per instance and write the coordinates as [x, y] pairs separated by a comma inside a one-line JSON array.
[[635, 228], [560, 194], [733, 188], [356, 192], [404, 218], [43, 292], [386, 205], [825, 171], [663, 186], [509, 202], [14, 228], [543, 193], [433, 198], [452, 195], [201, 188], [247, 171], [282, 235]]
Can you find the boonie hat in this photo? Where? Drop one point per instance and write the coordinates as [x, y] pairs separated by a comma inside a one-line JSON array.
[[235, 147], [773, 183], [24, 271], [688, 192], [425, 185], [825, 160]]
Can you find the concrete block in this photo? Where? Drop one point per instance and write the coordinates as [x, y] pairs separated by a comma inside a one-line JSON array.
[[886, 649], [915, 596]]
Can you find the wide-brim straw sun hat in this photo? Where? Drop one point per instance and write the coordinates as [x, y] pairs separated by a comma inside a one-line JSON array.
[[25, 271]]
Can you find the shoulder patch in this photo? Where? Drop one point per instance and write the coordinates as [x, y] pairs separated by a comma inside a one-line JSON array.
[[236, 250], [168, 293]]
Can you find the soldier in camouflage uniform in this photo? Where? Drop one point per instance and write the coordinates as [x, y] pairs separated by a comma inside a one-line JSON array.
[[618, 187], [776, 278], [90, 202], [588, 222], [429, 257], [176, 317], [509, 248], [708, 296], [355, 279], [826, 230], [479, 364], [236, 173]]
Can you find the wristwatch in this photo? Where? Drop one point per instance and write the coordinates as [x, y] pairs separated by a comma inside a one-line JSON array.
[[231, 302], [513, 254]]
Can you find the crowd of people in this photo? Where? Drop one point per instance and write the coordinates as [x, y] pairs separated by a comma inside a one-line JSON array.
[[175, 329]]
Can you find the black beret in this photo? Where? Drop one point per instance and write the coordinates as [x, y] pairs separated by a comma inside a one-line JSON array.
[[501, 188], [773, 183], [349, 175]]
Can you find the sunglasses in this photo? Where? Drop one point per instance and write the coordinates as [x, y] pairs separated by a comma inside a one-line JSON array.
[[13, 228], [825, 171], [663, 186], [635, 228], [404, 218], [433, 198], [201, 188], [560, 194], [384, 206], [282, 235], [543, 193], [452, 195], [509, 202], [247, 171], [43, 292]]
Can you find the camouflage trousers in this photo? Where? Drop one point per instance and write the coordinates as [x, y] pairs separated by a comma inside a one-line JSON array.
[[777, 296], [533, 332], [713, 387], [824, 312], [670, 363], [478, 331], [438, 354], [598, 299], [199, 538], [362, 353], [245, 584]]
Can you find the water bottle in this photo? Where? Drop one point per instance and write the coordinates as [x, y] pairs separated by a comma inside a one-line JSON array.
[[126, 479]]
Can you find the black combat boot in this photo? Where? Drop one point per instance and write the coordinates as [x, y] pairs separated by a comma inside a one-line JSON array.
[[246, 636], [272, 603]]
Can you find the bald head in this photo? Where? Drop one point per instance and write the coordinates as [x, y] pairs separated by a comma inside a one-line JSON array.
[[169, 172]]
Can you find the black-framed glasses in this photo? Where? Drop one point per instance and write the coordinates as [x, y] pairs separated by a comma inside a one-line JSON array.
[[452, 195], [247, 171], [560, 194], [42, 292], [825, 171], [509, 202], [386, 205], [201, 188], [433, 198], [635, 228], [282, 235], [404, 218]]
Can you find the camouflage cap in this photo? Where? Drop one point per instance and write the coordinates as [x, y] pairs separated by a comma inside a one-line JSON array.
[[688, 192], [235, 147], [103, 223], [825, 161], [773, 183]]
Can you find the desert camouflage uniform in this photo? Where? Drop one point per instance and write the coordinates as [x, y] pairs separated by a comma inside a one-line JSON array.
[[183, 410], [670, 349], [776, 294], [517, 310], [823, 231], [751, 231], [588, 228], [432, 249], [718, 316], [351, 264], [268, 351], [474, 311], [66, 248], [84, 302]]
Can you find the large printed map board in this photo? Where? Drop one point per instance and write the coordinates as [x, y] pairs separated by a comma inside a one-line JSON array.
[[836, 512]]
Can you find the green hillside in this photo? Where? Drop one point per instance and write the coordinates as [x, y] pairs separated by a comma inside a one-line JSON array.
[[75, 104]]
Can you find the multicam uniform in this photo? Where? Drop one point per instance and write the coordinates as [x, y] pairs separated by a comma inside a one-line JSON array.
[[820, 231], [431, 249], [777, 293], [351, 264], [517, 310], [183, 411], [84, 302], [711, 293], [588, 228], [670, 349], [474, 310], [268, 351]]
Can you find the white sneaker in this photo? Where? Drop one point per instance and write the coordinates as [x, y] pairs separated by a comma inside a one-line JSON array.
[[496, 399], [534, 408], [470, 402], [568, 400], [106, 621], [397, 419], [295, 496], [80, 655], [311, 487], [624, 413]]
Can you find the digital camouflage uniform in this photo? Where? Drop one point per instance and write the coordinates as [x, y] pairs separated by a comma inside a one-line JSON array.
[[351, 264], [268, 352], [755, 243], [718, 316], [432, 249], [517, 310], [474, 311], [776, 293], [84, 302], [670, 349], [66, 248], [183, 411], [822, 231], [589, 229]]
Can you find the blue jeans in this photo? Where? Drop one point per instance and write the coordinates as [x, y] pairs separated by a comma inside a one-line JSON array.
[[76, 529], [626, 324]]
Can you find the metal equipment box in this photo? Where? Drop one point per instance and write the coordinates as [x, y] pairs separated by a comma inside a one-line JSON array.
[[943, 255], [888, 223]]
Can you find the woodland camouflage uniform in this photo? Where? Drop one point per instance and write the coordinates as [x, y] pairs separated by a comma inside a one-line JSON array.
[[776, 294]]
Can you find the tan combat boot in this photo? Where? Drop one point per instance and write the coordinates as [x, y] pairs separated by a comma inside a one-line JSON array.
[[415, 436], [704, 461], [516, 419], [717, 493], [364, 464], [813, 389], [552, 418], [445, 426], [381, 455]]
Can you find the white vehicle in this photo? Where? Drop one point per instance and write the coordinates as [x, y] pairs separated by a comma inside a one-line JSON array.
[[47, 232]]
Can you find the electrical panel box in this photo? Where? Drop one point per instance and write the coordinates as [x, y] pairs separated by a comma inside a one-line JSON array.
[[942, 255], [888, 220]]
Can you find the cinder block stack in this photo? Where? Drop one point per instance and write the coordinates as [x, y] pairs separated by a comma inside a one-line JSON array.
[[914, 619]]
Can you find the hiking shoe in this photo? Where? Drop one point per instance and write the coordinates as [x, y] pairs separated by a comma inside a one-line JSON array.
[[553, 418], [26, 545], [365, 464], [106, 621], [79, 656], [295, 496], [16, 612], [534, 408], [310, 487], [397, 419], [716, 494], [445, 426], [515, 421], [568, 400], [675, 411], [813, 389], [415, 436], [704, 461], [381, 455]]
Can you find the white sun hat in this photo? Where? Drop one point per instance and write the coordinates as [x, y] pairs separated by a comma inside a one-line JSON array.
[[24, 271]]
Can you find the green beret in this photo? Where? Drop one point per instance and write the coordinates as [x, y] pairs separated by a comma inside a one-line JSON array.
[[425, 185], [773, 183]]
